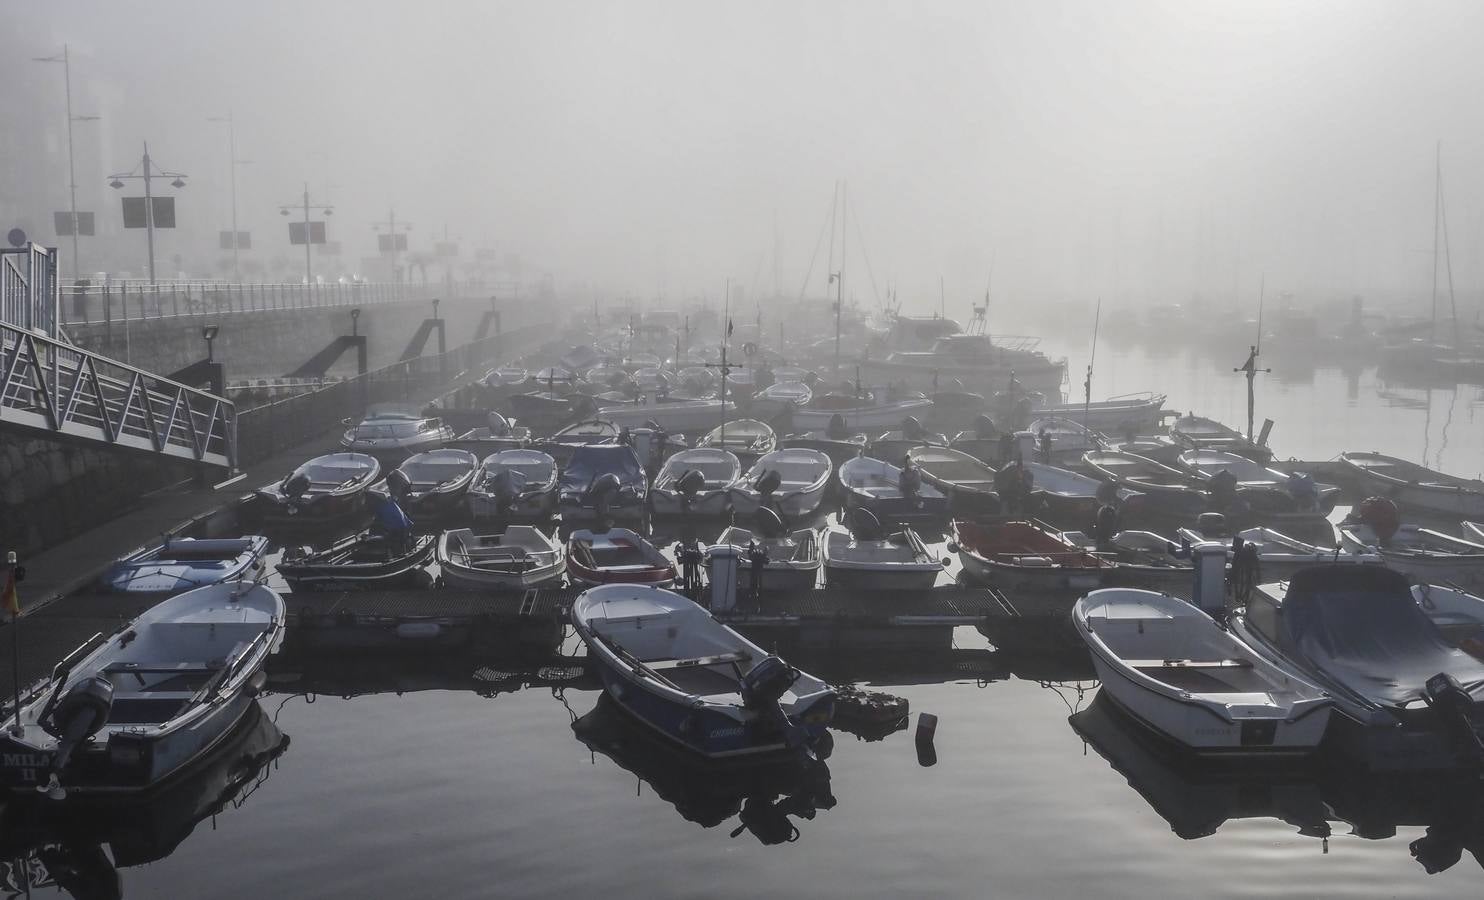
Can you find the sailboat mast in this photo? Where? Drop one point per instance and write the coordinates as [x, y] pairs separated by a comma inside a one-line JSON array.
[[1092, 358], [1437, 211]]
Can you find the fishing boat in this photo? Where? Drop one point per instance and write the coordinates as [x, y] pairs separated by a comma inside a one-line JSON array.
[[519, 558], [514, 484], [863, 558], [182, 563], [749, 439], [1200, 433], [1125, 414], [792, 482], [890, 492], [781, 395], [1023, 554], [695, 482], [501, 433], [1404, 697], [1458, 614], [895, 444], [433, 483], [392, 432], [602, 481], [792, 559], [1174, 670], [673, 667], [548, 409], [1072, 496], [617, 555], [984, 442], [1307, 495], [362, 561], [1161, 448], [857, 413], [837, 442], [1414, 486], [964, 480], [1141, 558], [562, 444], [325, 489], [125, 712], [1166, 491], [979, 362], [674, 416], [952, 408], [1279, 555], [1422, 554], [1064, 437]]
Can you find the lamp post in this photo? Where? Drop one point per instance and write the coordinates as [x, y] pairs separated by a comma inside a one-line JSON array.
[[392, 226], [66, 60], [233, 162], [208, 334], [150, 171], [328, 210]]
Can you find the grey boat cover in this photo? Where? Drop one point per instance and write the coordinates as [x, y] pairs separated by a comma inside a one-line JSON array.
[[1359, 626]]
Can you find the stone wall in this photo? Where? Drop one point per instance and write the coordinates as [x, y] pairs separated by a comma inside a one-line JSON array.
[[268, 344], [52, 490]]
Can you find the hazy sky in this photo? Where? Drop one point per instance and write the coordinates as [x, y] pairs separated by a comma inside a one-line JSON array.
[[1138, 150]]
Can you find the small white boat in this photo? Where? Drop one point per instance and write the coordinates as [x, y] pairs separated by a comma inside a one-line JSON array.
[[1175, 670], [1072, 495], [1422, 554], [896, 562], [1200, 433], [957, 474], [749, 439], [500, 433], [673, 667], [791, 481], [859, 414], [1131, 413], [1249, 473], [506, 376], [793, 559], [1409, 484], [1026, 555], [695, 482], [780, 394], [327, 488], [617, 555], [1281, 556], [880, 487], [433, 483], [519, 558], [182, 563], [123, 713], [672, 415], [561, 445], [1065, 435], [514, 484], [897, 443]]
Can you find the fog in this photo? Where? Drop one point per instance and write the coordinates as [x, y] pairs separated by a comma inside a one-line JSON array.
[[1140, 152]]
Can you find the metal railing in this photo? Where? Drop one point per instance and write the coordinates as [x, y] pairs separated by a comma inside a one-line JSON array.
[[272, 428], [54, 387], [29, 288], [128, 300]]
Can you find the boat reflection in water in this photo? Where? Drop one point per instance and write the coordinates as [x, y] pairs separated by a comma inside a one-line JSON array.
[[60, 844], [1198, 796], [766, 796]]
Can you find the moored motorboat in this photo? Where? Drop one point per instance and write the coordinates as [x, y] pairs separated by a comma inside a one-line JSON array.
[[837, 442], [1171, 667], [514, 484], [896, 443], [1200, 433], [1307, 495], [792, 482], [124, 713], [1072, 496], [749, 439], [863, 559], [500, 433], [561, 445], [673, 667], [890, 492], [392, 432], [1026, 555], [433, 483], [617, 555], [791, 563], [325, 489], [1059, 437], [182, 563], [967, 482], [1422, 554], [602, 481], [1280, 555], [1166, 490], [519, 558], [780, 395], [674, 416], [1419, 487], [696, 482], [360, 562], [856, 413]]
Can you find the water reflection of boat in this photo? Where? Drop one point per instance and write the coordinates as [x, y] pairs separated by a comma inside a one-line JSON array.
[[45, 844], [766, 798]]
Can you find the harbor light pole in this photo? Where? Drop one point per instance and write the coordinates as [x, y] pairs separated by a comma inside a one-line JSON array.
[[66, 60], [308, 238], [233, 162], [149, 171], [393, 227]]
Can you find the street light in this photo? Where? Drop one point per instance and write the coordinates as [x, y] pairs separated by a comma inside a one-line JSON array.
[[391, 226], [149, 171], [66, 60], [306, 206], [209, 333], [233, 162]]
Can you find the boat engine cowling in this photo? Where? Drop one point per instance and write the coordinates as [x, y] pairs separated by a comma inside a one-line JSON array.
[[864, 524], [763, 687], [912, 428], [690, 484], [296, 486], [398, 483], [602, 492], [1381, 515], [81, 713], [498, 424], [909, 482], [769, 482], [984, 427]]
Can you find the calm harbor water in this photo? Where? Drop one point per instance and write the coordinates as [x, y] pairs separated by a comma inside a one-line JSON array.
[[447, 792]]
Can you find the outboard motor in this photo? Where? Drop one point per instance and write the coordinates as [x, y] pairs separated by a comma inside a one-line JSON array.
[[912, 428], [1443, 693], [836, 429], [687, 486], [1381, 516], [984, 427], [1223, 487], [1105, 524], [499, 425], [294, 489], [768, 522], [504, 488], [864, 524], [602, 491], [1211, 525], [762, 687], [1303, 491], [909, 482], [80, 714], [1107, 493], [398, 484], [767, 485], [690, 557]]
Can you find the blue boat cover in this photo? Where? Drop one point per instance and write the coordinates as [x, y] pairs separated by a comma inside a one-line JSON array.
[[1360, 626]]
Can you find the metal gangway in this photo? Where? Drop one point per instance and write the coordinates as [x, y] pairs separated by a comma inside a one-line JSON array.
[[50, 386]]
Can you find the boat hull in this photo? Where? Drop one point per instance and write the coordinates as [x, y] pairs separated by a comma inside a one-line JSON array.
[[794, 505], [878, 579], [530, 506], [1030, 578], [868, 419], [710, 504]]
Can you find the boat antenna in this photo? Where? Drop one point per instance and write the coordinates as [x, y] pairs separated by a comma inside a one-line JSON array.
[[1250, 366], [1092, 358]]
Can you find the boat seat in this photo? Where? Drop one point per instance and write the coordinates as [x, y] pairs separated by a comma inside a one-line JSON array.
[[1189, 663], [718, 659]]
